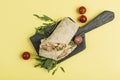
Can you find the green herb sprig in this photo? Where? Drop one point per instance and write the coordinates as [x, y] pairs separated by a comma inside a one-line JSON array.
[[54, 71], [48, 64], [47, 23], [44, 18], [72, 43], [62, 69]]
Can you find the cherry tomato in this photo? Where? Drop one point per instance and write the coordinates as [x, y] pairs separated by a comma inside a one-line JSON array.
[[83, 19], [78, 39], [26, 55], [82, 10]]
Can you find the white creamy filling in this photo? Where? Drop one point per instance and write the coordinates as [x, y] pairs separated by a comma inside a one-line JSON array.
[[57, 54]]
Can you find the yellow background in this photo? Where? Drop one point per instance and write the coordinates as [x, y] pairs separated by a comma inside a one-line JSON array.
[[99, 61]]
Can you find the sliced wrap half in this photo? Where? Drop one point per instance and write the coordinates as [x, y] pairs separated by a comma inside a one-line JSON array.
[[58, 44]]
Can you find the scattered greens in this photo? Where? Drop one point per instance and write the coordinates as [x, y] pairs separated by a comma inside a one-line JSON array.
[[57, 69], [54, 71], [48, 22], [44, 18], [72, 43], [62, 69], [46, 63]]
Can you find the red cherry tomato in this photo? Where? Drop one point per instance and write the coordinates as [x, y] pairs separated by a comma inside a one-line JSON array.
[[78, 40], [83, 19], [26, 55], [82, 10]]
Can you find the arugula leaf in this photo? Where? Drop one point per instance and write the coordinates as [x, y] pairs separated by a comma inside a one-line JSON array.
[[41, 59], [48, 24], [72, 43], [44, 17], [62, 69], [41, 29], [46, 63], [57, 69], [37, 65], [54, 71]]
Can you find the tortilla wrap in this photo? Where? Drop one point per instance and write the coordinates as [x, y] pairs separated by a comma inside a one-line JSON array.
[[56, 46]]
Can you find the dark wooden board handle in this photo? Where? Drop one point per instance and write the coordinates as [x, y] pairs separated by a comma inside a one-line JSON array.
[[101, 19]]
